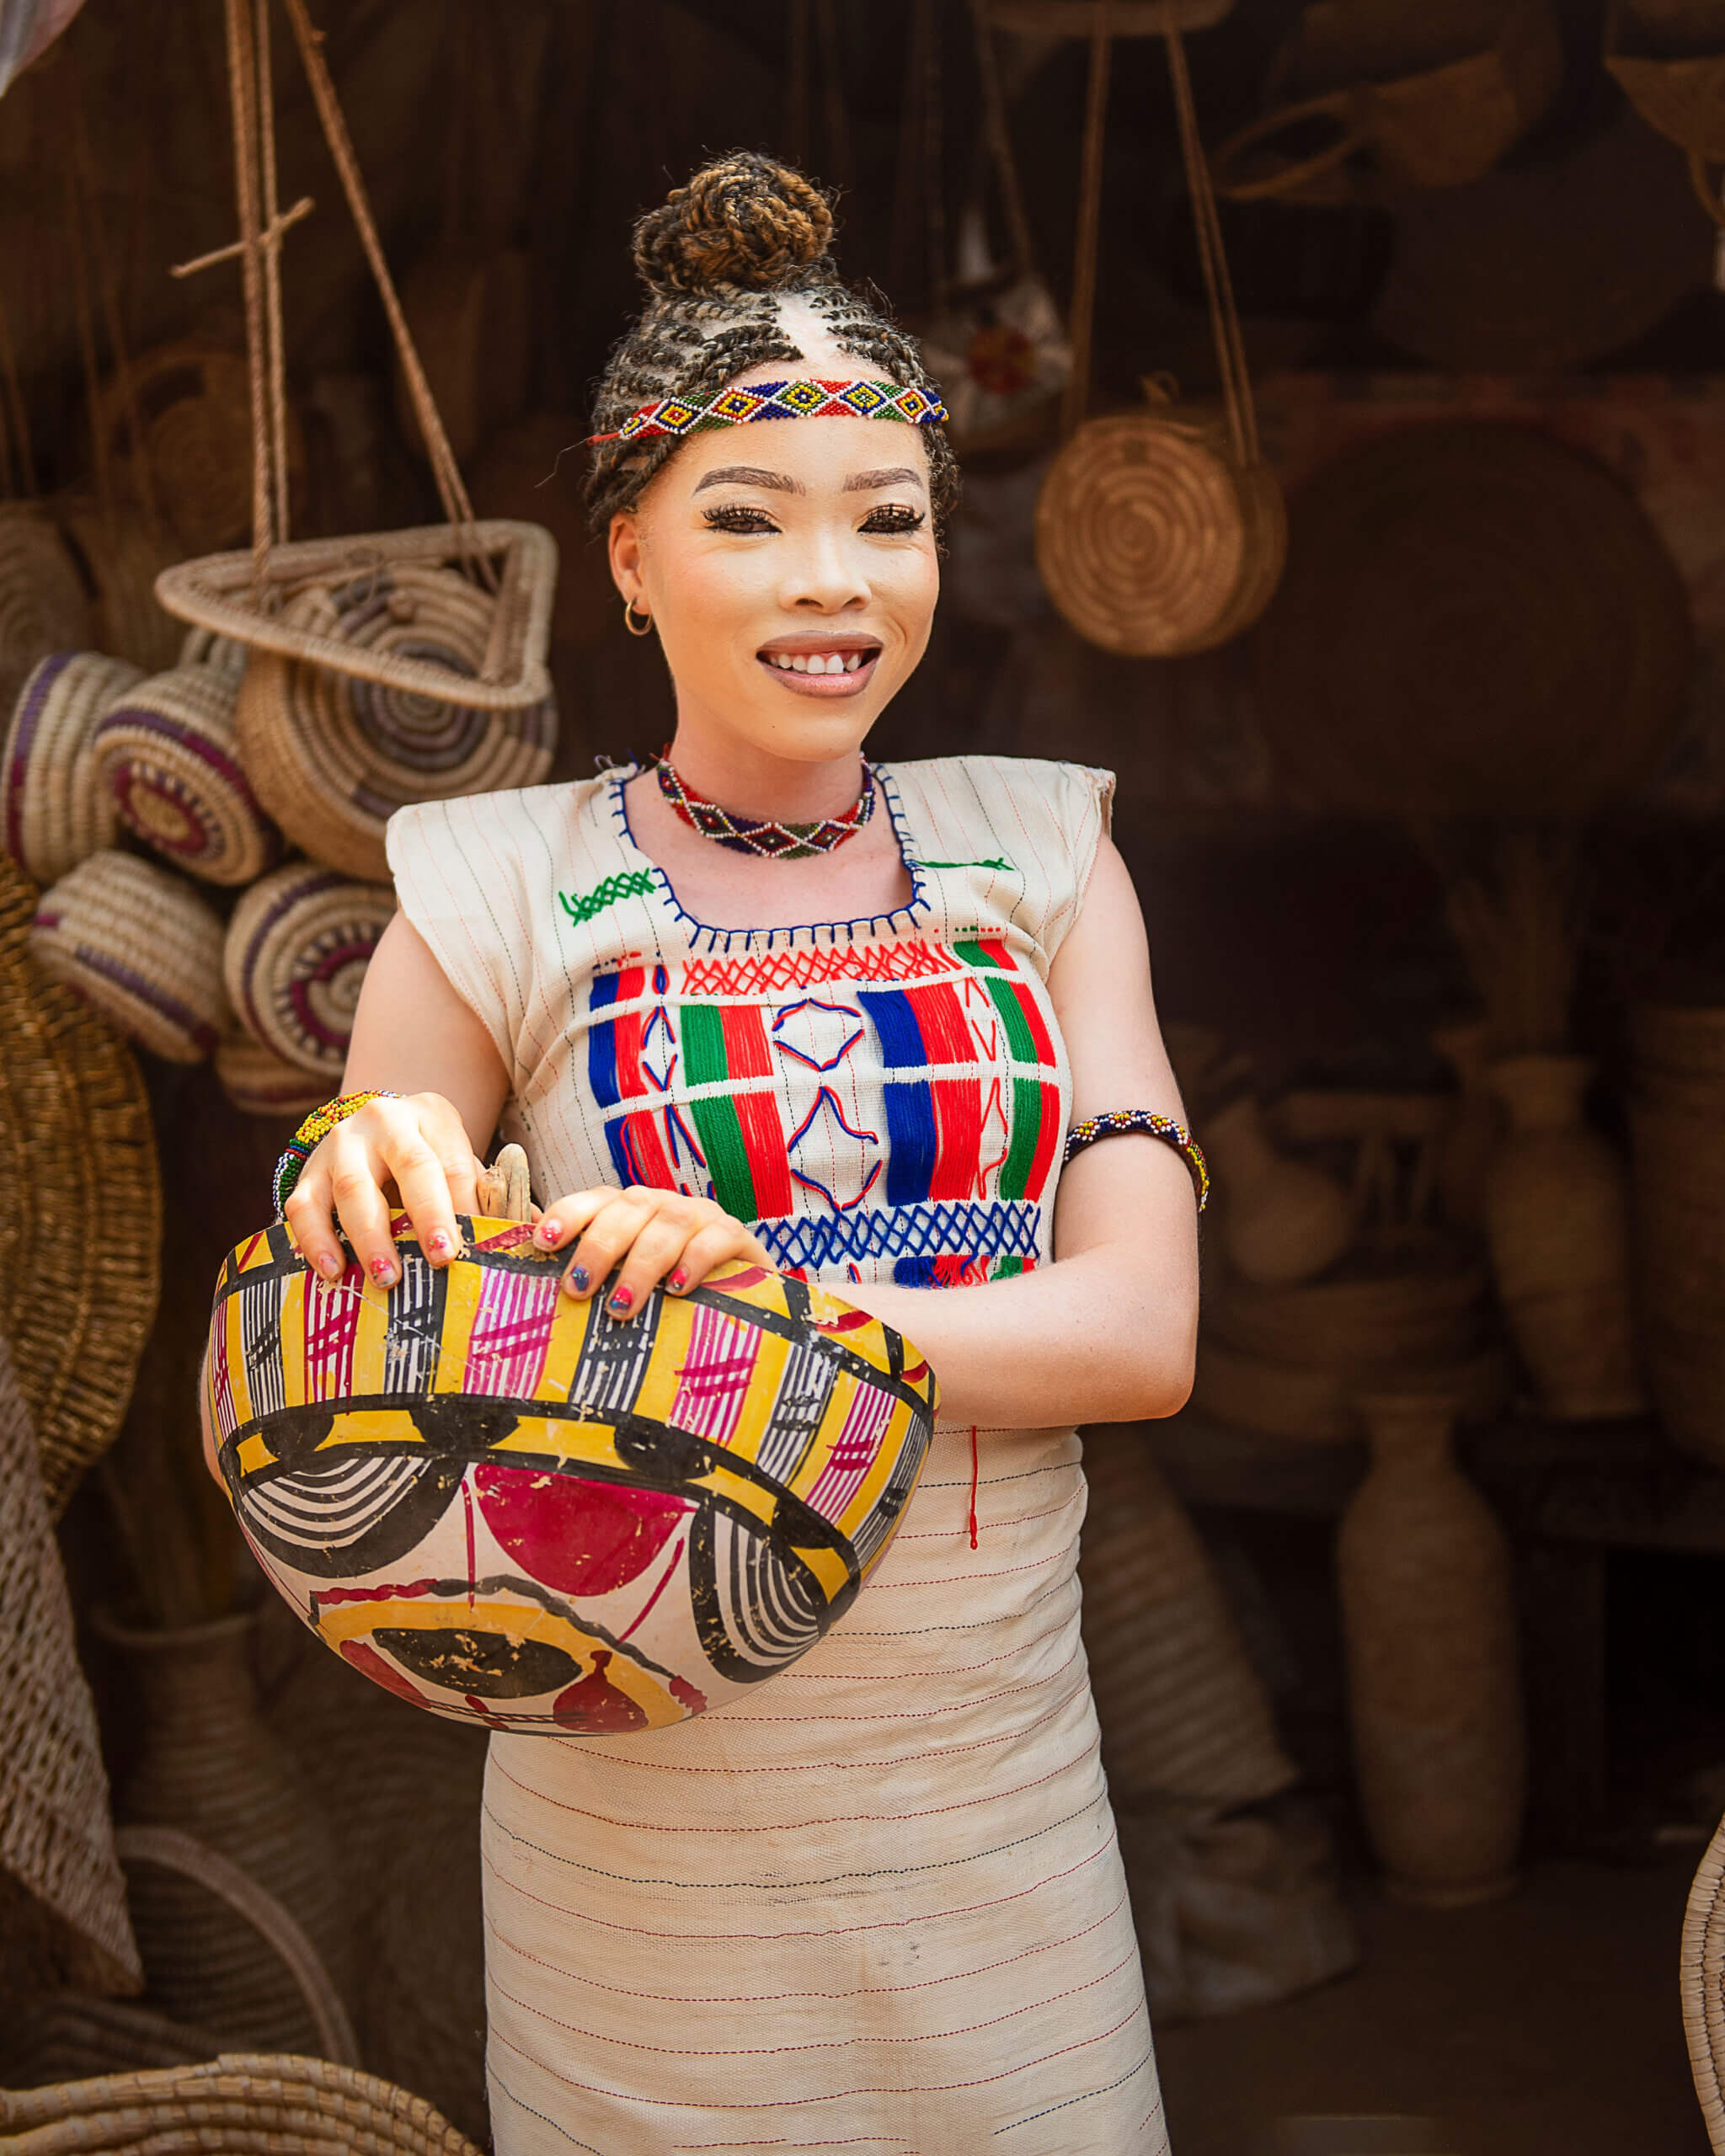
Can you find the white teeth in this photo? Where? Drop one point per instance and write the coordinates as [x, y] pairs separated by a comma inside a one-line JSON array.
[[783, 662], [853, 662], [828, 662], [835, 663], [799, 664]]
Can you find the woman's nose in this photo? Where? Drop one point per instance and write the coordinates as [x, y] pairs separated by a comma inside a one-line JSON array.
[[826, 576]]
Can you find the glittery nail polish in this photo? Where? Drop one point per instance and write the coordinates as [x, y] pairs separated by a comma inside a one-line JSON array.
[[438, 1244], [678, 1281], [329, 1268], [383, 1270], [621, 1299], [547, 1231], [578, 1278]]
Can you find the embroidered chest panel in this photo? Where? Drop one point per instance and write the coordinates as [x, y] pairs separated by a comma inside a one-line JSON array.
[[884, 1110]]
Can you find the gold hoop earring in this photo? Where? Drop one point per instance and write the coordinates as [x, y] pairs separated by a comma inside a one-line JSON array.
[[646, 628]]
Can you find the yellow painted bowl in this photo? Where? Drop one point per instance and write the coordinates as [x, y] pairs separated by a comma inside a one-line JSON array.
[[504, 1505]]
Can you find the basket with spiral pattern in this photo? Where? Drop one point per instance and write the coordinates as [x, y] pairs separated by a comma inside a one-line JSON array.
[[1153, 539], [297, 949], [166, 752], [332, 756], [142, 946], [260, 1082], [55, 809], [44, 606]]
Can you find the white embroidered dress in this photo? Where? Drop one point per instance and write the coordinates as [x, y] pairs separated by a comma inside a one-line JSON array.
[[878, 1905]]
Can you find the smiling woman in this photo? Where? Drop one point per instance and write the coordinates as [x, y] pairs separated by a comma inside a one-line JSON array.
[[764, 999]]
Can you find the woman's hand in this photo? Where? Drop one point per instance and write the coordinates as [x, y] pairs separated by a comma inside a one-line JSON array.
[[420, 1145], [653, 1235]]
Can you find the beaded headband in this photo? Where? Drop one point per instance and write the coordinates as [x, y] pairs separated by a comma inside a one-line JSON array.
[[677, 416]]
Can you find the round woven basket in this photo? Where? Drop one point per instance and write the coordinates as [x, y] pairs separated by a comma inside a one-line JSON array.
[[1476, 619], [166, 752], [332, 757], [1701, 1985], [242, 2102], [297, 949], [44, 606], [260, 1082], [121, 553], [75, 1142], [55, 809], [1152, 539], [226, 655], [140, 945], [193, 404]]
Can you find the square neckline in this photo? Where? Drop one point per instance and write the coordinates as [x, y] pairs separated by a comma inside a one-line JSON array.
[[863, 928]]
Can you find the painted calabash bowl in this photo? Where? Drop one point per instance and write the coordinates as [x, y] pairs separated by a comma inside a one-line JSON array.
[[506, 1506]]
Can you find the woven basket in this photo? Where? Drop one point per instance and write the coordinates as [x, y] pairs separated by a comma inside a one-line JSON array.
[[1153, 540], [57, 1839], [225, 655], [297, 949], [331, 757], [75, 1143], [260, 1082], [1674, 86], [241, 2105], [468, 305], [55, 810], [167, 753], [140, 945], [69, 2036], [44, 606], [1416, 98], [1701, 1984], [121, 553], [194, 403], [1476, 619]]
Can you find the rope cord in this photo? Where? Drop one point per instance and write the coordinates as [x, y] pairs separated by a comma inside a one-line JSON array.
[[242, 90], [273, 327], [1000, 143], [1084, 246]]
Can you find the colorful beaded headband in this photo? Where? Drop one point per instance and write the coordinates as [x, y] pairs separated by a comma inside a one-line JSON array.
[[781, 400]]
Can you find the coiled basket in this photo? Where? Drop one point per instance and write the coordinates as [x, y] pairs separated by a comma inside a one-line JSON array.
[[504, 1505]]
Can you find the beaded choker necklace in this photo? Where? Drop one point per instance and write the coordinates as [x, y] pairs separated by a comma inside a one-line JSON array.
[[772, 841]]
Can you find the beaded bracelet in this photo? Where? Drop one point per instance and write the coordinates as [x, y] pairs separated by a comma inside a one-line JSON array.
[[1118, 1121], [316, 1126]]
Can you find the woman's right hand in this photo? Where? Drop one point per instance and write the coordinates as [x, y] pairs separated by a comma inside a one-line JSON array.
[[417, 1145]]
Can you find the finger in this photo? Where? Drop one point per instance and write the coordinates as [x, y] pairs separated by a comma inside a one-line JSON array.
[[412, 1161], [310, 1212], [356, 1184], [715, 1245], [606, 1240], [656, 1251], [567, 1216]]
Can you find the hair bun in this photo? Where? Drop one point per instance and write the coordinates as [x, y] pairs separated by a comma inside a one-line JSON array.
[[743, 221]]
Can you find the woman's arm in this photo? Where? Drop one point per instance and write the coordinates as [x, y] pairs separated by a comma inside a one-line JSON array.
[[1108, 1332]]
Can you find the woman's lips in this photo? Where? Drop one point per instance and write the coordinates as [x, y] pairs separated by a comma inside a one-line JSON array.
[[823, 684]]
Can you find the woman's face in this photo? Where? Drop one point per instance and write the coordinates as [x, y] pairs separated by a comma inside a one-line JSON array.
[[790, 570]]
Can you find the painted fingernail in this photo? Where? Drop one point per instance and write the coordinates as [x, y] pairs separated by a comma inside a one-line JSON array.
[[329, 1267], [439, 1244], [547, 1231], [578, 1278], [621, 1299], [383, 1270], [679, 1280]]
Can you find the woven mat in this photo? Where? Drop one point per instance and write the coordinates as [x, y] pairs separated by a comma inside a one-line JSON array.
[[62, 1900], [76, 1148]]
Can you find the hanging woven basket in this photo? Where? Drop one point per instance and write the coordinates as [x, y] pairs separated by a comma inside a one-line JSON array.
[[166, 751], [260, 1082], [332, 757], [121, 553], [1669, 57], [55, 809], [297, 949], [141, 946], [44, 606], [1153, 539]]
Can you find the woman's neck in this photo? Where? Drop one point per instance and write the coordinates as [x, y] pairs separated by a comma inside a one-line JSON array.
[[749, 781]]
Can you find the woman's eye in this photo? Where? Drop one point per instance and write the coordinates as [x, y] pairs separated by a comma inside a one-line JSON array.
[[894, 518], [733, 517]]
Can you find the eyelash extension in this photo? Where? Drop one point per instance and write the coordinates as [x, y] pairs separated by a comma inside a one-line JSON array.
[[893, 519], [735, 519]]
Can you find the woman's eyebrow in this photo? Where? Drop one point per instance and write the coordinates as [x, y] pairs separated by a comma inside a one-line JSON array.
[[900, 475], [751, 475]]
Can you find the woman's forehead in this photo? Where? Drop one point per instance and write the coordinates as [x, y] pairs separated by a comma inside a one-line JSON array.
[[824, 454]]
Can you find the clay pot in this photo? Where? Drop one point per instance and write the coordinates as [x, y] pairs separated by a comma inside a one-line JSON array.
[[1284, 1221], [1433, 1666], [209, 1767], [1464, 1164], [1557, 1221]]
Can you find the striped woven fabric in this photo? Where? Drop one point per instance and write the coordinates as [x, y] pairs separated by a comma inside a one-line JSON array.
[[883, 1908]]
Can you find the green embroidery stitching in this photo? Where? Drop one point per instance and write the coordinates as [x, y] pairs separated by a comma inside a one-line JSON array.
[[635, 885], [997, 863]]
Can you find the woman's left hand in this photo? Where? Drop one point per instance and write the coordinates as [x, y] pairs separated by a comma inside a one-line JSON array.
[[652, 1234]]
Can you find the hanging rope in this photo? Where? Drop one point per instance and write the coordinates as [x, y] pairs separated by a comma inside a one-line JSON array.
[[1000, 143], [1084, 246], [274, 331], [242, 88]]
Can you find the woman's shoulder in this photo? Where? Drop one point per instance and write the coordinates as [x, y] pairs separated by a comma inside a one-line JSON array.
[[1046, 803], [521, 814]]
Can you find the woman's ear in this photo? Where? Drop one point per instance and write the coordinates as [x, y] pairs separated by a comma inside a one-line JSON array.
[[624, 544]]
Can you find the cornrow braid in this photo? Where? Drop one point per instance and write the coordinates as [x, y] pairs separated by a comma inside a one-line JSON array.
[[716, 258]]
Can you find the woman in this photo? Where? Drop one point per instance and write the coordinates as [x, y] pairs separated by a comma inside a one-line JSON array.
[[762, 1001]]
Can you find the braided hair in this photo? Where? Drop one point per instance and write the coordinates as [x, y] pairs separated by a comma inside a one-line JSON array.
[[716, 258]]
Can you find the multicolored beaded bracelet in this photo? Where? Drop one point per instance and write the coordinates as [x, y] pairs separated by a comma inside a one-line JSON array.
[[316, 1126], [1120, 1120]]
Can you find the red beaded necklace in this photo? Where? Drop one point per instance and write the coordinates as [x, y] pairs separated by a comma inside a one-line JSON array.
[[764, 836]]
